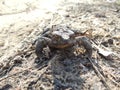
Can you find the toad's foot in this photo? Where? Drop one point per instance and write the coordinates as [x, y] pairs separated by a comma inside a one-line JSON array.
[[86, 44], [40, 44]]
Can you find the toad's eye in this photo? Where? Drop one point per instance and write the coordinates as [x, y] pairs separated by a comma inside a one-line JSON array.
[[56, 37]]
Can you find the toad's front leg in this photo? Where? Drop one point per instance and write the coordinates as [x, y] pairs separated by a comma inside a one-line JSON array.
[[86, 44], [40, 44]]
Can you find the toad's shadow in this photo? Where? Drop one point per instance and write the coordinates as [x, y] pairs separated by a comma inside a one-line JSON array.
[[62, 74], [66, 74]]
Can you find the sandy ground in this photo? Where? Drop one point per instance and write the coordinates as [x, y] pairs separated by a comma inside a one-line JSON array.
[[22, 21]]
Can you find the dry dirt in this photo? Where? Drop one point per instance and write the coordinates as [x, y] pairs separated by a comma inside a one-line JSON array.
[[22, 21]]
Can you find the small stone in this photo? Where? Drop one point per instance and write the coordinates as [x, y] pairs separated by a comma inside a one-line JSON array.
[[67, 15], [110, 41]]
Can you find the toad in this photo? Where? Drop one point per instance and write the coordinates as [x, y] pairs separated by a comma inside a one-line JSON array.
[[60, 37]]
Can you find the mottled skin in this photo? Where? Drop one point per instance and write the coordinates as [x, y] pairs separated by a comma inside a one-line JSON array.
[[62, 37]]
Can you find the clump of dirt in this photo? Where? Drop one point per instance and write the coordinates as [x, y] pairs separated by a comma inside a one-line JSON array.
[[21, 70]]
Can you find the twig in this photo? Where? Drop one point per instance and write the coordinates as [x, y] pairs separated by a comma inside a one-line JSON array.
[[13, 74], [99, 74], [117, 84], [112, 80]]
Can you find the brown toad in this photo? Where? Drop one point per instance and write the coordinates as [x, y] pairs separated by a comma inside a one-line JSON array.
[[61, 37]]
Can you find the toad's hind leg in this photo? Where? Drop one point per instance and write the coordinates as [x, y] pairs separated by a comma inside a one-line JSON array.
[[40, 44], [86, 44]]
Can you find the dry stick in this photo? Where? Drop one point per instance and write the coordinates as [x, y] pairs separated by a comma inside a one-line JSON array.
[[118, 85], [98, 72], [13, 74], [112, 80]]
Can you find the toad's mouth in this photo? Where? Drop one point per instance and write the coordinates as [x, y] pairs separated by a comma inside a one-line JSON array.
[[61, 46]]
